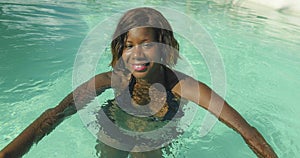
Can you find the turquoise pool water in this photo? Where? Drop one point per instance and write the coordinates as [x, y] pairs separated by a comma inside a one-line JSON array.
[[259, 47]]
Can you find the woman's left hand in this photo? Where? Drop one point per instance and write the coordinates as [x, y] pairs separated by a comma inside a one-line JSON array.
[[258, 144]]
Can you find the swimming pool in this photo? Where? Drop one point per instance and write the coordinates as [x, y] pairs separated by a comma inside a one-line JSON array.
[[259, 48]]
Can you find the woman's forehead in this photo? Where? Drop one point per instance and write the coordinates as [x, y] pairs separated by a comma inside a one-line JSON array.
[[141, 33]]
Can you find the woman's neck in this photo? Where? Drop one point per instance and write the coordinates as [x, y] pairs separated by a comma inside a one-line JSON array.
[[159, 78], [142, 87]]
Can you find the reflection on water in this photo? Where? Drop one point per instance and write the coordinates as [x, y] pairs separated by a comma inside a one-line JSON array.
[[34, 38]]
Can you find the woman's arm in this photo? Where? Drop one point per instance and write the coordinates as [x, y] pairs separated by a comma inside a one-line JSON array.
[[212, 102], [44, 124]]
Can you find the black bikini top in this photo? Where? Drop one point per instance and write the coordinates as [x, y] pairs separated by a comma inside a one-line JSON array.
[[124, 100]]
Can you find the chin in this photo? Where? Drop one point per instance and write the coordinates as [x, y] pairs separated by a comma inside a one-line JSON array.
[[140, 75]]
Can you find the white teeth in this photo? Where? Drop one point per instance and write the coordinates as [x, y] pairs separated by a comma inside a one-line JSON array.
[[145, 64], [139, 65]]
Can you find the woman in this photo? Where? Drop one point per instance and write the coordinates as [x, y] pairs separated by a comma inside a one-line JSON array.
[[148, 92]]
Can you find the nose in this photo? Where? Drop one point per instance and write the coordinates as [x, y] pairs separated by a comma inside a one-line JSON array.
[[137, 51]]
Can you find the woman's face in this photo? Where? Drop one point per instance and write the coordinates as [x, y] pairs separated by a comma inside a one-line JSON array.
[[141, 54]]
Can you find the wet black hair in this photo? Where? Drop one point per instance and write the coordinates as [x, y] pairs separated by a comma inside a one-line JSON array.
[[151, 18]]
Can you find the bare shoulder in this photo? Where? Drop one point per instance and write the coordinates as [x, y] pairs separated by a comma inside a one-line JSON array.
[[184, 82], [174, 77], [104, 75], [179, 80], [101, 80], [190, 88]]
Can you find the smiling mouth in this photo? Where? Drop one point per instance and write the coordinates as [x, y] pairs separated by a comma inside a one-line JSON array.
[[140, 67]]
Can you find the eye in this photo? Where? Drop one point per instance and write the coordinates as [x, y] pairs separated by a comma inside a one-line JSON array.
[[128, 46], [148, 45]]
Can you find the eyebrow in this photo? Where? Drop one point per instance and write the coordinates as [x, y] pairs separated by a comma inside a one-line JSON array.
[[144, 40]]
